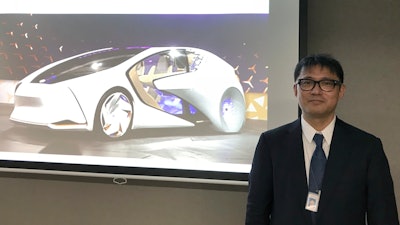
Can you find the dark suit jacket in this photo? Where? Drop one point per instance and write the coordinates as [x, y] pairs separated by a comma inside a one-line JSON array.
[[357, 185]]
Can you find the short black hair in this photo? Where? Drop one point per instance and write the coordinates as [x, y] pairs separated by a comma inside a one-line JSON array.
[[323, 60]]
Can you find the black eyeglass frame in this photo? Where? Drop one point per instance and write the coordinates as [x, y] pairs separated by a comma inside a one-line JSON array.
[[335, 83]]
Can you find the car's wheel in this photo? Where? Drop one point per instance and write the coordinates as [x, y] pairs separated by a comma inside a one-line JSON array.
[[114, 114], [232, 111]]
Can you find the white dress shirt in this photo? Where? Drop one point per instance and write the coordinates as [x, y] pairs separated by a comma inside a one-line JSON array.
[[309, 144]]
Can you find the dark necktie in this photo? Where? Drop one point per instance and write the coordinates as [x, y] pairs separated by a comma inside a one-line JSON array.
[[317, 169]]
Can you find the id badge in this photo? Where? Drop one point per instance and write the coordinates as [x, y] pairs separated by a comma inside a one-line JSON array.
[[312, 201]]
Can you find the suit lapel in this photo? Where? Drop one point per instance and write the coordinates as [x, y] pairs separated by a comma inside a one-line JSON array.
[[295, 158], [338, 158]]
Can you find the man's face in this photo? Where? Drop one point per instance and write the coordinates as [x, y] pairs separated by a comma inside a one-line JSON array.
[[316, 103]]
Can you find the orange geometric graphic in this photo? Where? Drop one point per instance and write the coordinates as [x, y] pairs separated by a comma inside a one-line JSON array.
[[256, 106]]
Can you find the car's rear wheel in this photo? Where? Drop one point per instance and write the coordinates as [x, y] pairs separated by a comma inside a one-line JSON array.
[[232, 111], [114, 114]]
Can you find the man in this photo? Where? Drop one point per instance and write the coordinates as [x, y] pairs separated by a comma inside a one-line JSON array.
[[349, 184]]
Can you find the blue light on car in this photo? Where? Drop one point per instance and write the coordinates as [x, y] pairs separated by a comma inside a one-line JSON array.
[[48, 79], [170, 103], [192, 110], [227, 106]]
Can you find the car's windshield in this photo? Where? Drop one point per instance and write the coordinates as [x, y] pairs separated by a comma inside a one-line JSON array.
[[86, 64]]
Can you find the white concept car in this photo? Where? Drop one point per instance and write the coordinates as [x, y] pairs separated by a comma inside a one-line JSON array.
[[114, 90]]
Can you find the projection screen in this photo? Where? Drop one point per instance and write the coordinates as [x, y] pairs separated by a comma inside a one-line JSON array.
[[79, 96]]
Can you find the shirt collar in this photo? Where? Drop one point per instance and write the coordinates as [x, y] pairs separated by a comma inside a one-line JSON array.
[[309, 131]]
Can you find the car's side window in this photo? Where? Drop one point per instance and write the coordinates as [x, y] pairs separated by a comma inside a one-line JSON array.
[[155, 67], [169, 63], [180, 61], [194, 60], [140, 68], [164, 65], [150, 64], [160, 64]]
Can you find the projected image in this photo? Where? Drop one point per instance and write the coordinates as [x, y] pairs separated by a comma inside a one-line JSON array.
[[176, 91], [114, 90]]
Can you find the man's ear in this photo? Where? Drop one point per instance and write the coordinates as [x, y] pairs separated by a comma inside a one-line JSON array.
[[295, 90], [342, 90]]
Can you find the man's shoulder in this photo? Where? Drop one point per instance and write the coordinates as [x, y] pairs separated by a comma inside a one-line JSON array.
[[284, 129], [342, 126]]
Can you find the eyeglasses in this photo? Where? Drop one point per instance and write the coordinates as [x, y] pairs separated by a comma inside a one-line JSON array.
[[325, 85]]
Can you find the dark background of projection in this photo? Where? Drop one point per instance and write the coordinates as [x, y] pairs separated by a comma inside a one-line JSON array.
[[31, 41], [28, 42]]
